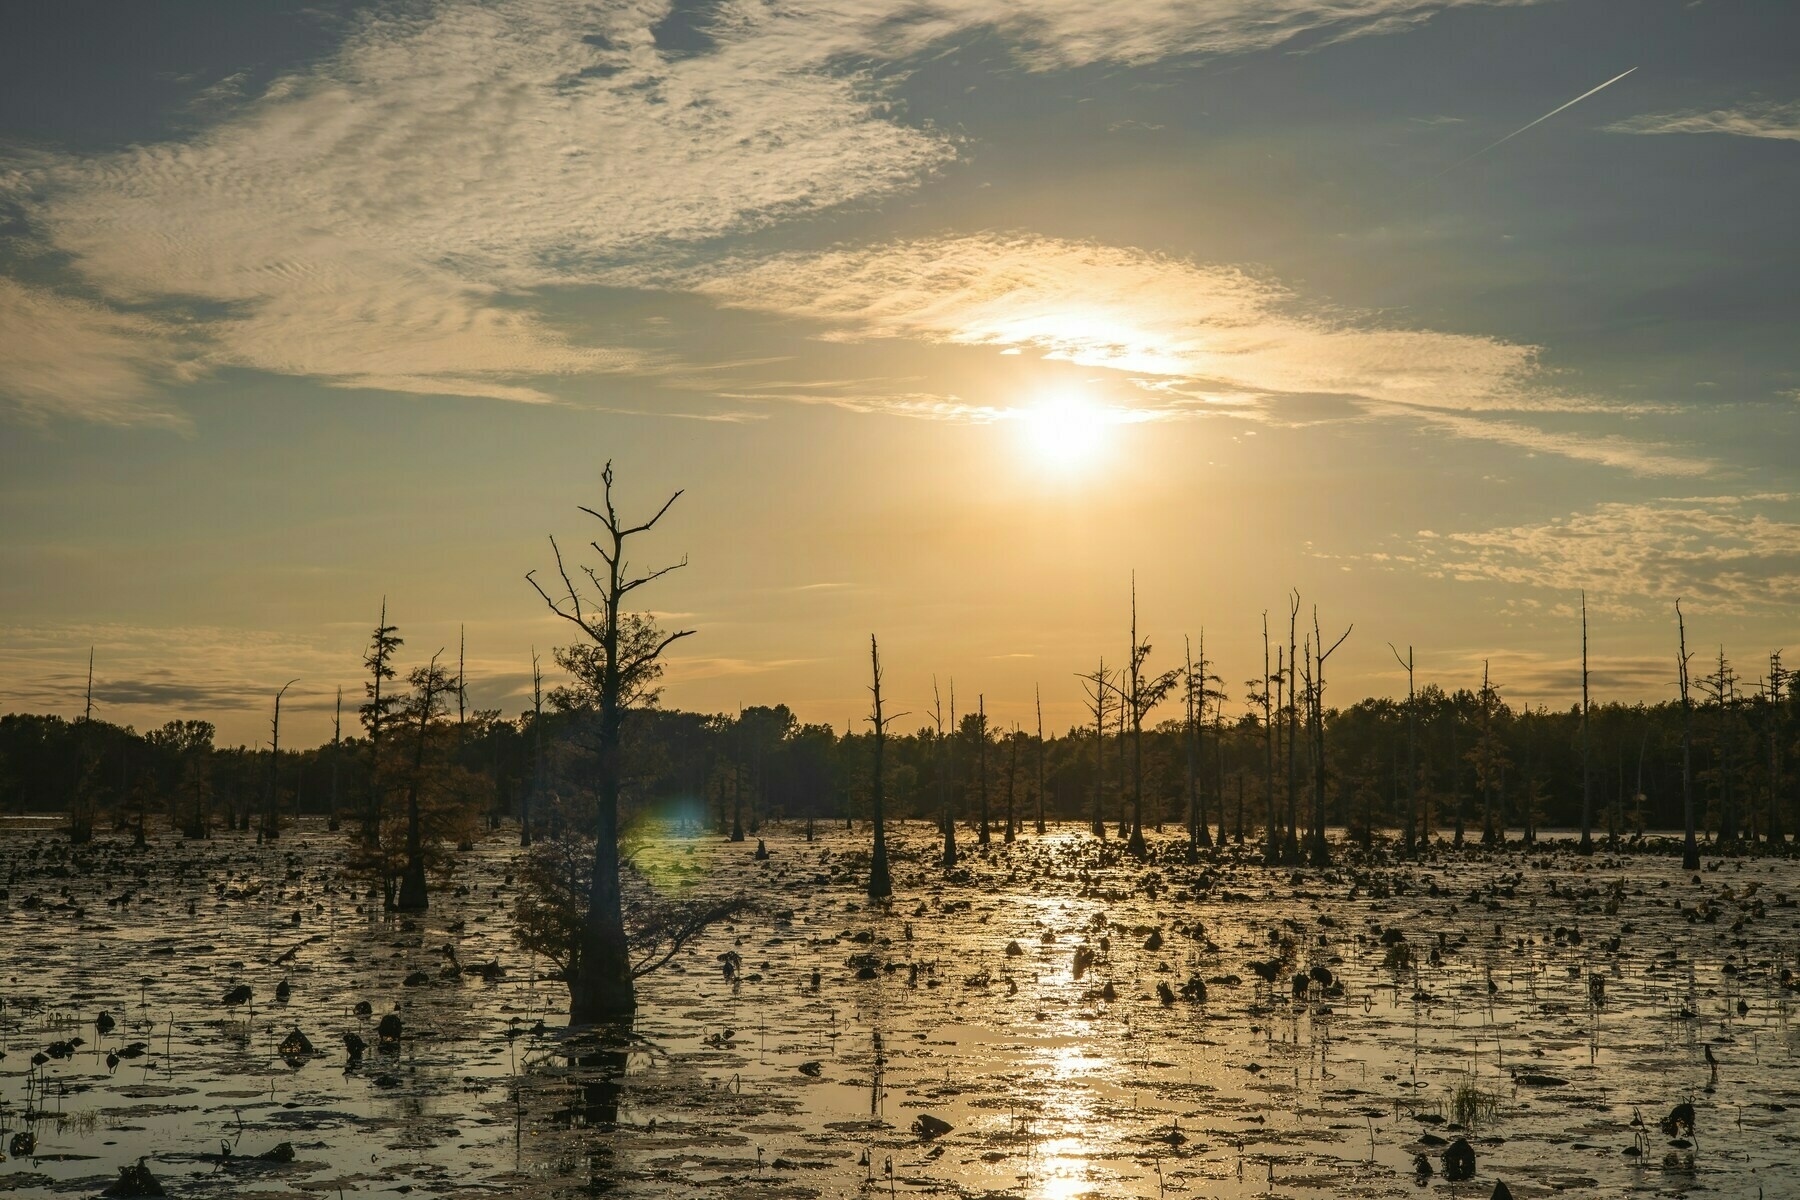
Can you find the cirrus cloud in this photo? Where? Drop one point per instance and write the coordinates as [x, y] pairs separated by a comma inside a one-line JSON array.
[[385, 217]]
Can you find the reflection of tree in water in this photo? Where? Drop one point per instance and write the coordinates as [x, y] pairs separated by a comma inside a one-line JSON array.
[[592, 1094]]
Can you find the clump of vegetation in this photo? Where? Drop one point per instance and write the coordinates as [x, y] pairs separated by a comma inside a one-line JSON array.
[[1470, 1105], [555, 879]]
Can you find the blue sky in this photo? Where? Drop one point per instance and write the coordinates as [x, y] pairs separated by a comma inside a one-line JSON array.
[[948, 317]]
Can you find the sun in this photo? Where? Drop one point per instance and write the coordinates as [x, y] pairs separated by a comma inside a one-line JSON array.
[[1065, 431]]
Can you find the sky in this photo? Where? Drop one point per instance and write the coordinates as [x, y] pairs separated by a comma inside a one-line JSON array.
[[949, 319]]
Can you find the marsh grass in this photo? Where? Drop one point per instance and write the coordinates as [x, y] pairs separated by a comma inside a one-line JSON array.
[[1473, 1106]]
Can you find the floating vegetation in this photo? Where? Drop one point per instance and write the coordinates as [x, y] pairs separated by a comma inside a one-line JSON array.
[[1233, 1029]]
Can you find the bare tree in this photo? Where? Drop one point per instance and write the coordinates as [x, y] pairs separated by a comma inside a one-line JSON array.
[[1012, 775], [1321, 854], [1099, 689], [1038, 692], [1776, 686], [537, 751], [981, 767], [1409, 816], [946, 814], [881, 884], [270, 826], [1587, 775], [629, 648], [337, 736], [1690, 849]]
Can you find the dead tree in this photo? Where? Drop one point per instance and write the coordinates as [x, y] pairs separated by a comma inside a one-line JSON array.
[[1776, 686], [1012, 775], [537, 751], [981, 767], [947, 814], [630, 649], [1198, 695], [1272, 847], [1690, 849], [1099, 690], [1587, 775], [1409, 816], [881, 884], [1321, 853], [270, 827], [337, 736], [1196, 827], [1290, 849], [1038, 692]]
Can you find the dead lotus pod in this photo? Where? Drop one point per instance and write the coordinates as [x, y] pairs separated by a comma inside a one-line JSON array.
[[929, 1127]]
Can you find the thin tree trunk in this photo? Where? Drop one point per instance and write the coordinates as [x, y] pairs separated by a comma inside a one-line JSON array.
[[881, 884]]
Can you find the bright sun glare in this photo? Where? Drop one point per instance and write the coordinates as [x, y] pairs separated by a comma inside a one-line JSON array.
[[1065, 431]]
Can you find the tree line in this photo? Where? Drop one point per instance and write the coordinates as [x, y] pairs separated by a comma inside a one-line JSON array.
[[413, 768]]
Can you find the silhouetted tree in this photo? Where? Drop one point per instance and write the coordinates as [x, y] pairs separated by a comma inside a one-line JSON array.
[[270, 826], [430, 684], [1690, 849], [1099, 688], [881, 883], [627, 650], [375, 711]]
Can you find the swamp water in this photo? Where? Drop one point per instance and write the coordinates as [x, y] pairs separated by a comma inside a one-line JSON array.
[[1549, 1009]]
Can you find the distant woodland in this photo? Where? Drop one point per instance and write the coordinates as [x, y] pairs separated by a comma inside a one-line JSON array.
[[1451, 765]]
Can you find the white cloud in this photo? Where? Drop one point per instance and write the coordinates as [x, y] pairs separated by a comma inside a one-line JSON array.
[[1777, 121], [379, 219], [1181, 324], [1728, 554], [60, 355]]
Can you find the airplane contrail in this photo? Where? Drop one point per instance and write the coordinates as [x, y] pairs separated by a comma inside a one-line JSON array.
[[1515, 133]]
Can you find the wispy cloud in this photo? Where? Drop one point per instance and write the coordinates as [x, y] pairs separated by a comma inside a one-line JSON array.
[[1728, 554], [1194, 336], [65, 356], [1777, 121], [387, 217]]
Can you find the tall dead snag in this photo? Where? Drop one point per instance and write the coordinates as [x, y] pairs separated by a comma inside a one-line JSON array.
[[1290, 848], [1776, 686], [337, 737], [628, 648], [1321, 853], [1099, 689], [270, 826], [430, 684], [1690, 849], [1272, 850], [1198, 695], [1196, 828], [945, 766], [881, 884], [1038, 692], [1587, 775], [1409, 815], [981, 767], [1012, 775], [537, 751]]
